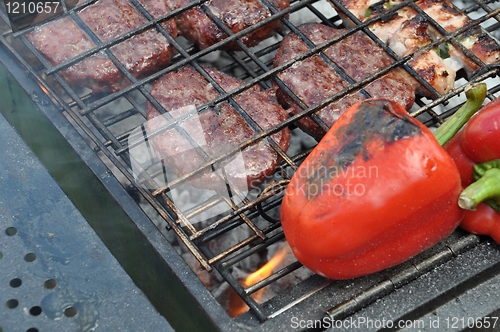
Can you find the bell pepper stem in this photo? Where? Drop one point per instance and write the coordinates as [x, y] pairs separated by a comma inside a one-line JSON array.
[[486, 188], [480, 169], [475, 94]]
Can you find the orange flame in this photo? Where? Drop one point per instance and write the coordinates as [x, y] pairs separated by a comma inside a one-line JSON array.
[[44, 89], [236, 304]]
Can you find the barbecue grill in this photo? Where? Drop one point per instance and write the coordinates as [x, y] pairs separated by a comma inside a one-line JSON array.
[[451, 283]]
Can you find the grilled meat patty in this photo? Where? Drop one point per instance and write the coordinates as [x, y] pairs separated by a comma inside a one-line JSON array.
[[314, 79], [222, 128], [142, 54], [196, 25]]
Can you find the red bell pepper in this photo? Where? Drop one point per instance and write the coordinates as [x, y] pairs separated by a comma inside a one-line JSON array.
[[377, 190]]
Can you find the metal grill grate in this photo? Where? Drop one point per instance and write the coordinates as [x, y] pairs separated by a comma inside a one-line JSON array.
[[253, 65]]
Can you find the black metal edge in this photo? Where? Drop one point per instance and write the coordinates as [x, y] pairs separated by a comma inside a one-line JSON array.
[[34, 210], [446, 294], [319, 295], [196, 294]]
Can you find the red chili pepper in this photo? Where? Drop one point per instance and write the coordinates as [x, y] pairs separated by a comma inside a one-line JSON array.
[[478, 142], [482, 221], [377, 190], [482, 201]]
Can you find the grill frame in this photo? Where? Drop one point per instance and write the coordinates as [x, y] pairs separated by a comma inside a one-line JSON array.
[[92, 176], [203, 254]]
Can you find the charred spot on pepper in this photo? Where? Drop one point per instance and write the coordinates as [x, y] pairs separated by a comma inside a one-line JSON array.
[[375, 120], [348, 152], [401, 129]]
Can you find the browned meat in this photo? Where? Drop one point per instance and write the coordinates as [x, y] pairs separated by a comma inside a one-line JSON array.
[[313, 80], [442, 11], [400, 32], [237, 15], [222, 128], [438, 72], [62, 40], [482, 44]]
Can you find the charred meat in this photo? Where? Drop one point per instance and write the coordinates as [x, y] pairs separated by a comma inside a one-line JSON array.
[[324, 75], [407, 30], [62, 39], [216, 130], [196, 25]]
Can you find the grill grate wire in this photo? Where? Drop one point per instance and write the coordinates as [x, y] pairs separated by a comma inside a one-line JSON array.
[[82, 109]]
